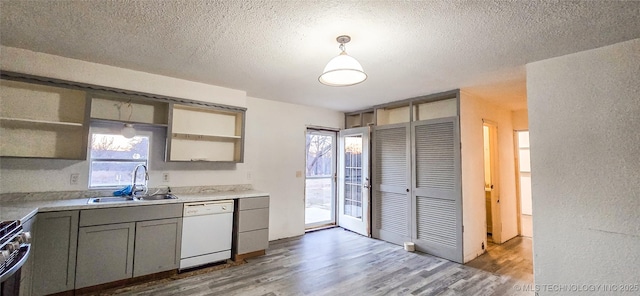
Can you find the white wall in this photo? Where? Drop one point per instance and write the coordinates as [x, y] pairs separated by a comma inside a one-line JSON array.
[[276, 135], [584, 120], [472, 111], [274, 144], [520, 120]]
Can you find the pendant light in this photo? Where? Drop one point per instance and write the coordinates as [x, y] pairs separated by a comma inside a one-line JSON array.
[[128, 131], [342, 70]]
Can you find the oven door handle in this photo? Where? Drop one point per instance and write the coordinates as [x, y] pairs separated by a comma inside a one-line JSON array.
[[8, 273]]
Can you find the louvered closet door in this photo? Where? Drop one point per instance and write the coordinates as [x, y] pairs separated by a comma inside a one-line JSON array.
[[437, 193], [391, 183]]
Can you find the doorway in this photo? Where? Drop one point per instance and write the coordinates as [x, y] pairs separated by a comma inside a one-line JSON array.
[[491, 182], [523, 169], [354, 181], [320, 177]]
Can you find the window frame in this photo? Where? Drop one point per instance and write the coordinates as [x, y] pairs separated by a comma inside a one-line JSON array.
[[114, 128]]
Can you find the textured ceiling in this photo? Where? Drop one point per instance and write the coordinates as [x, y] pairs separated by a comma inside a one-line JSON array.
[[277, 49]]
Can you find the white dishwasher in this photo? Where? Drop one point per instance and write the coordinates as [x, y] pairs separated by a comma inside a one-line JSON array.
[[206, 232]]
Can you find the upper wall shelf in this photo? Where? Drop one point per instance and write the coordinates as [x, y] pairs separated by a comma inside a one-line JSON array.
[[44, 117], [203, 137], [42, 121], [205, 134], [35, 122]]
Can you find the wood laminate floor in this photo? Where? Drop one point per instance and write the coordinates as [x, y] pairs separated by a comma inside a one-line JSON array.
[[513, 258], [338, 262]]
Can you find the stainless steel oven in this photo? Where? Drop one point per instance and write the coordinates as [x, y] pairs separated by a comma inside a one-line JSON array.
[[14, 252]]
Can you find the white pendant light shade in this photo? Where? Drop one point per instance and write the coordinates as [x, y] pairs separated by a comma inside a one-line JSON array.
[[342, 70], [128, 131]]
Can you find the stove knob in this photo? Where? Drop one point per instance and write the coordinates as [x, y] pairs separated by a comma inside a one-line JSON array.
[[24, 238], [4, 255], [13, 246]]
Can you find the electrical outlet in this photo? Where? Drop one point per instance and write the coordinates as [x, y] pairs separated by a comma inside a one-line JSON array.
[[73, 180], [249, 176], [165, 177]]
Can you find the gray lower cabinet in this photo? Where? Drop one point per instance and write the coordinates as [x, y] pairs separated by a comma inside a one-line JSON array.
[[105, 254], [157, 246], [252, 222], [124, 242], [54, 252]]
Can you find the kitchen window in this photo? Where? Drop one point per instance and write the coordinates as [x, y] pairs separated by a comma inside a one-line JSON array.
[[113, 158]]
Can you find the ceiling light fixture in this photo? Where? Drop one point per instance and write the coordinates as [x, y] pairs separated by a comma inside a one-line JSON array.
[[128, 131], [342, 70]]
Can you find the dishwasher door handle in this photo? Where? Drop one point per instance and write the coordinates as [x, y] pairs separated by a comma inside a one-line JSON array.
[[195, 205]]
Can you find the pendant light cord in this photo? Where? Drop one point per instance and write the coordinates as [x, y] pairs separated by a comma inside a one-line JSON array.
[[130, 110]]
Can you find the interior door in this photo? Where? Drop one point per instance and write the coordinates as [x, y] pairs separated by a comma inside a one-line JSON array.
[[492, 180], [436, 191], [354, 180], [391, 183]]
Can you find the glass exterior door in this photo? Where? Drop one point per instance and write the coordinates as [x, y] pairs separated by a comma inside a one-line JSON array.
[[354, 180], [320, 178]]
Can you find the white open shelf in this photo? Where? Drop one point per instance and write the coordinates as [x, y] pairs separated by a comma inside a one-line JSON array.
[[34, 121]]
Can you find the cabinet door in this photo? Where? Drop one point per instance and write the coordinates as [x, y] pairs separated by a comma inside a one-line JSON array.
[[157, 246], [105, 254], [54, 252], [437, 189], [391, 207]]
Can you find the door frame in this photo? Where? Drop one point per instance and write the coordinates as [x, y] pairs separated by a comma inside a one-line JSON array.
[[496, 217], [333, 134], [350, 223], [516, 160], [516, 147]]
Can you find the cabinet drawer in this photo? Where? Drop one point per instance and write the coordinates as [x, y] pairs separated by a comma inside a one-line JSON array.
[[253, 219], [252, 241], [253, 203], [129, 214]]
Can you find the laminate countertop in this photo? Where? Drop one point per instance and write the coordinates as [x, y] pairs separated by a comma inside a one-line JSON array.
[[24, 210]]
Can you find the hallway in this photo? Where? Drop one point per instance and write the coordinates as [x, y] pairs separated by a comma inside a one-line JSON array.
[[513, 258]]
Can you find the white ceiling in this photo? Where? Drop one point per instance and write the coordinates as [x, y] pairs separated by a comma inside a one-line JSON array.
[[277, 49]]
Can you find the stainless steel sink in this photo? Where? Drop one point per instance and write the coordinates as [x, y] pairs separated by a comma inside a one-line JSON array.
[[161, 196], [112, 199]]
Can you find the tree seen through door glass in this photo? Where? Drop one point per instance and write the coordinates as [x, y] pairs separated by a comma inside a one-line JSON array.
[[319, 178]]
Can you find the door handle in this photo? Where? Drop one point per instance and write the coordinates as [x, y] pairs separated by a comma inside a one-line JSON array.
[[366, 183]]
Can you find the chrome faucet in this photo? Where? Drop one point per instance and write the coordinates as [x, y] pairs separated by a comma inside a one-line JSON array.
[[134, 186]]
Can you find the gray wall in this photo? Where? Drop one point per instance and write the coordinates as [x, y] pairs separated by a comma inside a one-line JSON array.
[[584, 119]]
